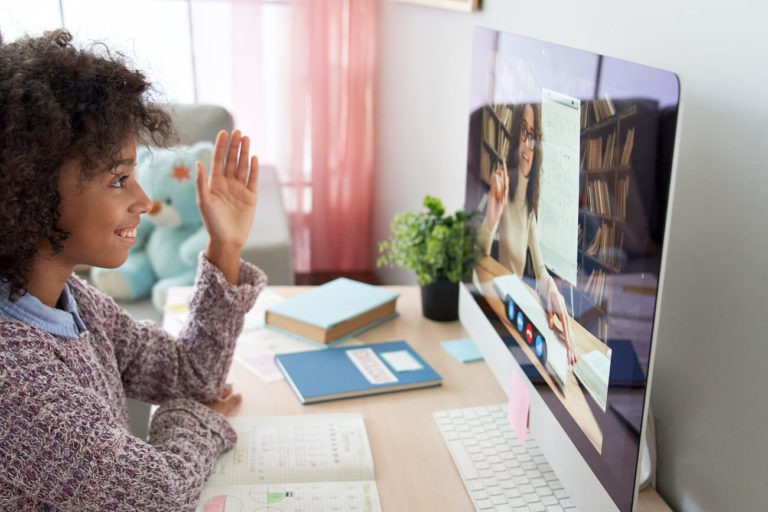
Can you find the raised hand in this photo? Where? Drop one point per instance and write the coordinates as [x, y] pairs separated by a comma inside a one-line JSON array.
[[227, 200], [497, 197]]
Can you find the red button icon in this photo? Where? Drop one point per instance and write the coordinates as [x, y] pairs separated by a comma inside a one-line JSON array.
[[529, 334]]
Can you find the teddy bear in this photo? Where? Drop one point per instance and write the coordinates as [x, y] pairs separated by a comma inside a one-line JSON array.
[[170, 237]]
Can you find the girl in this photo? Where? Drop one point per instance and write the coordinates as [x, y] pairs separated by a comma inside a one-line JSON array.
[[69, 356]]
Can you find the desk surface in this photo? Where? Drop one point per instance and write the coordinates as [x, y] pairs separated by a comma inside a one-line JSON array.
[[414, 470]]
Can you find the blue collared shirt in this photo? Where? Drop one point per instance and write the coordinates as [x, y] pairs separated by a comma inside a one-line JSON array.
[[65, 322]]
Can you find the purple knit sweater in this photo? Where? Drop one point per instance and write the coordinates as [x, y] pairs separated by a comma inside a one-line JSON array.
[[64, 438]]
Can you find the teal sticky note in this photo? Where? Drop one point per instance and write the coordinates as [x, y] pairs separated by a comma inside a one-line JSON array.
[[463, 349]]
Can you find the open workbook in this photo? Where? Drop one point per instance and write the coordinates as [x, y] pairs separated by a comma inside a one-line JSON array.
[[295, 463]]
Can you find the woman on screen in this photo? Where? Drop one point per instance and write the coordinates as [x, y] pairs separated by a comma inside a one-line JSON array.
[[511, 212]]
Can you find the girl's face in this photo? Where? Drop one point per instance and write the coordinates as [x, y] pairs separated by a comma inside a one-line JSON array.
[[527, 141], [101, 214]]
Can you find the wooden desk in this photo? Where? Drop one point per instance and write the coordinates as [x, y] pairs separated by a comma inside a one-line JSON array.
[[414, 470]]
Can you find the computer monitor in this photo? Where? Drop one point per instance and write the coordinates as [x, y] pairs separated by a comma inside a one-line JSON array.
[[570, 164]]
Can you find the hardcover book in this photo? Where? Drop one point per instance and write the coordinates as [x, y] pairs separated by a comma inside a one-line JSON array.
[[335, 310], [345, 372]]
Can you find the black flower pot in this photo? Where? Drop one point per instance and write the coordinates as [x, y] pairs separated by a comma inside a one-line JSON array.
[[440, 301]]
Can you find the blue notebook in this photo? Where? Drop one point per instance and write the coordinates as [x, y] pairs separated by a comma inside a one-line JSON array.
[[335, 310], [345, 372]]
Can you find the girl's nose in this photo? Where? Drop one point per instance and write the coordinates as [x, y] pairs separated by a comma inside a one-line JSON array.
[[143, 203]]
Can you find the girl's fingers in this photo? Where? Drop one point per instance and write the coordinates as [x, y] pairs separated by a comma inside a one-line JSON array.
[[226, 391], [202, 188], [241, 173], [253, 175], [230, 166], [217, 163]]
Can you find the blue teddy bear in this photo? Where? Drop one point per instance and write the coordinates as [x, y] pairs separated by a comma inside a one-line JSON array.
[[170, 237]]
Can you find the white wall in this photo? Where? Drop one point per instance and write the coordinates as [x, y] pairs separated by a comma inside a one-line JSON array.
[[710, 389]]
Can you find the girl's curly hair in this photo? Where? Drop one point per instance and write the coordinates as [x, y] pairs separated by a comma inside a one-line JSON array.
[[60, 103]]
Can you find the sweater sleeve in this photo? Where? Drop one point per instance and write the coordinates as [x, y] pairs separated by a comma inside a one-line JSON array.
[[156, 366], [62, 444], [484, 238]]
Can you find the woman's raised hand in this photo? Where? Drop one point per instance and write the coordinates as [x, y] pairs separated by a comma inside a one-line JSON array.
[[497, 197]]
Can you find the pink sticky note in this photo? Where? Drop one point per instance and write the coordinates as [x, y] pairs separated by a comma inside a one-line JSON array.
[[519, 405], [262, 365]]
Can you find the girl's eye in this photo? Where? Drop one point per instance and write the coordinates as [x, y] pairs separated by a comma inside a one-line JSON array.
[[120, 182]]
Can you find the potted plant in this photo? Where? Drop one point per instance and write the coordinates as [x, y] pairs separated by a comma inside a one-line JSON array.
[[440, 248]]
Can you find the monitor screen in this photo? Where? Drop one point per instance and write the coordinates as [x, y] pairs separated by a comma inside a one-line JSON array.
[[570, 165]]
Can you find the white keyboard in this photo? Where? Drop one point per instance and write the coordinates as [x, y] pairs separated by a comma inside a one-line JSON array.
[[498, 472]]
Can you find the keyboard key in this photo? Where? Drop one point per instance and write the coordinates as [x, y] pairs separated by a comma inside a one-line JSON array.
[[548, 500], [531, 497], [473, 484], [507, 484], [460, 457], [484, 504], [498, 499], [527, 489]]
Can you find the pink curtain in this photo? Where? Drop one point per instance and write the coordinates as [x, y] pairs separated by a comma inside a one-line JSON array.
[[332, 122]]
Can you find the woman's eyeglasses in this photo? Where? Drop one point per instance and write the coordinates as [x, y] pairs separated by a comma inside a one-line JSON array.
[[527, 136]]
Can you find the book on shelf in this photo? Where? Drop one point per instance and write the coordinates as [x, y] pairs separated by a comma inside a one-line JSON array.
[[300, 462], [595, 286], [489, 129], [332, 311], [629, 142], [622, 191], [584, 114], [504, 114], [610, 150], [346, 372], [603, 108], [598, 197], [597, 241]]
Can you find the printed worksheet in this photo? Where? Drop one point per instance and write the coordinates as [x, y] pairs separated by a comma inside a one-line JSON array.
[[295, 463]]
